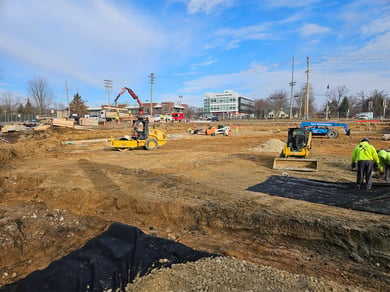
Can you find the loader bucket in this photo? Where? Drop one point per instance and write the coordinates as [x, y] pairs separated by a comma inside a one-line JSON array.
[[299, 164]]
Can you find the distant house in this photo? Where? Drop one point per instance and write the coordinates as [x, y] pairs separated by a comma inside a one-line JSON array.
[[282, 115]]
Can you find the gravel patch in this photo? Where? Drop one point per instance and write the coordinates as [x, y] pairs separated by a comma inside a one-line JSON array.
[[229, 274]]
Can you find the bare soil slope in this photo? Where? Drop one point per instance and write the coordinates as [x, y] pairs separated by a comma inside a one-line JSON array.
[[56, 196]]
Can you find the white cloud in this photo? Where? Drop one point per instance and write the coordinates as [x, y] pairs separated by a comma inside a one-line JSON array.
[[254, 32], [87, 41], [379, 25], [208, 6], [209, 61], [256, 81], [310, 29], [290, 4], [236, 36]]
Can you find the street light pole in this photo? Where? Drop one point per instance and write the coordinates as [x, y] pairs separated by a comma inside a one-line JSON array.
[[108, 86]]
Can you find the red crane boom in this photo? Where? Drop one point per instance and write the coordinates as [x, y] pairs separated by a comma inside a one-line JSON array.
[[134, 96]]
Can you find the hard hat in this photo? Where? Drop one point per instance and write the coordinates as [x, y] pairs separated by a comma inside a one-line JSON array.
[[365, 139]]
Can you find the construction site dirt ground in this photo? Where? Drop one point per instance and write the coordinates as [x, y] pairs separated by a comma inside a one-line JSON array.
[[56, 196]]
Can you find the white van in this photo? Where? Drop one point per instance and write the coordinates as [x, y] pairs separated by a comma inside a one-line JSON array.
[[365, 116]]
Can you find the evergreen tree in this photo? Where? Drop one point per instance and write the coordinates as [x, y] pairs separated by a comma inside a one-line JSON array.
[[20, 109], [28, 108], [77, 106]]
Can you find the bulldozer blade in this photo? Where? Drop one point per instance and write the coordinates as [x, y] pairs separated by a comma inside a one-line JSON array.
[[299, 164]]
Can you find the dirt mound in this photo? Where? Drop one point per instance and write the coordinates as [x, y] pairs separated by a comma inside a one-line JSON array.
[[33, 235], [272, 145]]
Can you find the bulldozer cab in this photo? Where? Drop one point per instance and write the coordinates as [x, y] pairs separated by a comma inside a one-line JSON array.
[[141, 128], [297, 139]]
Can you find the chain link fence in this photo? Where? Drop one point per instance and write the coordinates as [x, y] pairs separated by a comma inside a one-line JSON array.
[[10, 118]]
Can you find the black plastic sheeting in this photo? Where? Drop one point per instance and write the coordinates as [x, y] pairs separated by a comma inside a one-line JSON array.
[[345, 195], [108, 261]]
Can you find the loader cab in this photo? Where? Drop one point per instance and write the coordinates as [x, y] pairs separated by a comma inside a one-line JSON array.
[[297, 139]]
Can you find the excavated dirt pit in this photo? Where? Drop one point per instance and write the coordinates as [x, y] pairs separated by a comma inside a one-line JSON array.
[[54, 198]]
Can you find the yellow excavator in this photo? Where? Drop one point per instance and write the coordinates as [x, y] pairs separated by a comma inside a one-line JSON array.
[[296, 151]]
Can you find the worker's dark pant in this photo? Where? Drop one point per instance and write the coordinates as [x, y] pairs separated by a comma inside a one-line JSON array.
[[387, 173], [364, 173]]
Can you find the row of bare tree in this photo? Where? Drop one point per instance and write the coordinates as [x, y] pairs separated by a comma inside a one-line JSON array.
[[340, 104], [39, 101]]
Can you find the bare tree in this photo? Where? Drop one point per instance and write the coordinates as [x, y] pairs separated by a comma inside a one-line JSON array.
[[378, 102], [194, 112], [278, 102], [300, 101], [8, 101], [335, 97], [41, 93], [362, 96], [355, 105], [262, 107]]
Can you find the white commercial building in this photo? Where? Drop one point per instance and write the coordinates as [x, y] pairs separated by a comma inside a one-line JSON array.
[[228, 105]]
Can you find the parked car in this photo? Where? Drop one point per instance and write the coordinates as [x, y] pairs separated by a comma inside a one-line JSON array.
[[215, 118], [156, 118], [178, 117], [365, 116]]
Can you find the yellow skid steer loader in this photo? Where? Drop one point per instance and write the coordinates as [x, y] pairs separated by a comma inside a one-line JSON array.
[[296, 152]]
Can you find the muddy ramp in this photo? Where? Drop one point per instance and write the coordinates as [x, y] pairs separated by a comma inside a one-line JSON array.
[[345, 195], [108, 262]]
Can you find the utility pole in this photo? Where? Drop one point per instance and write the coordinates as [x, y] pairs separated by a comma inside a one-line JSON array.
[[307, 89], [67, 97], [300, 105], [292, 83], [327, 103], [152, 78], [108, 86]]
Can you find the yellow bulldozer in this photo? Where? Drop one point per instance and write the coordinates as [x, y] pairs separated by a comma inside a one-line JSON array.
[[296, 151], [141, 137]]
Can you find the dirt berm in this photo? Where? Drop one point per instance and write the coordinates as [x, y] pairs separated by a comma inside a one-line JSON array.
[[195, 190]]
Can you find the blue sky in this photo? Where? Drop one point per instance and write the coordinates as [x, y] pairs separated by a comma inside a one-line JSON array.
[[193, 47]]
